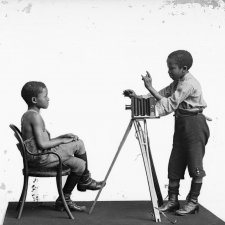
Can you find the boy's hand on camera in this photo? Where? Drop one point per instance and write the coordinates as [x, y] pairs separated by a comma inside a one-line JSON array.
[[147, 80], [129, 93]]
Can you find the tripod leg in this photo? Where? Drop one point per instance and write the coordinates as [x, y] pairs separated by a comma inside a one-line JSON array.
[[114, 160], [155, 179], [150, 160], [144, 150]]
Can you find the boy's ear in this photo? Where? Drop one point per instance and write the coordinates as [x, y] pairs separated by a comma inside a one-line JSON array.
[[34, 100], [185, 68]]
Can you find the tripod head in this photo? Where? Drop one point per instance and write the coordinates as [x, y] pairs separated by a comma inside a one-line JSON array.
[[142, 107]]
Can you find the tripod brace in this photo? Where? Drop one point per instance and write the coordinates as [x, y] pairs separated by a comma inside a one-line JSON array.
[[143, 139]]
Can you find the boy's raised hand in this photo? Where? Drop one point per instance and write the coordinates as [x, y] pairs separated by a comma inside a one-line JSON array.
[[147, 80]]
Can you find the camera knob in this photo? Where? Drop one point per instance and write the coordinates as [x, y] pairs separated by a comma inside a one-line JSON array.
[[128, 107]]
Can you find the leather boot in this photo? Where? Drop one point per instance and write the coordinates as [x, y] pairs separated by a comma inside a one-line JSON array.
[[71, 204], [172, 204], [71, 182], [191, 205], [87, 183]]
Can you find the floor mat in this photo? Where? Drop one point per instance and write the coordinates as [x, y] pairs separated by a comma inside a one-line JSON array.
[[104, 213]]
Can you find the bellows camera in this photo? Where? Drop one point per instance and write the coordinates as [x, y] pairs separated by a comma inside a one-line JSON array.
[[142, 107]]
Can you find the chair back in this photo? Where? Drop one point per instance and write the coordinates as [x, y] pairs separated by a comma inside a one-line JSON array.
[[21, 147]]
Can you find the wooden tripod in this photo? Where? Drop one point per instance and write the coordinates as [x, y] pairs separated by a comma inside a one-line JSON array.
[[143, 139]]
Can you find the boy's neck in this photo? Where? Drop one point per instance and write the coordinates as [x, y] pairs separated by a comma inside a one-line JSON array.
[[34, 108], [184, 75]]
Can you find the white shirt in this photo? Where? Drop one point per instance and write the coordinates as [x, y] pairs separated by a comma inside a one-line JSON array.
[[186, 93]]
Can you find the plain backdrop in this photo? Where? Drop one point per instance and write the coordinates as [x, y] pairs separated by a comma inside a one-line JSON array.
[[87, 52]]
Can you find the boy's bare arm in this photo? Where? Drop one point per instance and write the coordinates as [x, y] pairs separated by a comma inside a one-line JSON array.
[[69, 135], [41, 137]]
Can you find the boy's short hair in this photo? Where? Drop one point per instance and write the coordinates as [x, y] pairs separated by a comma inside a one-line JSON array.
[[31, 89], [182, 57]]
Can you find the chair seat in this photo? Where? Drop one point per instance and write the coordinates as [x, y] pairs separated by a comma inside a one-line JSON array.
[[46, 172]]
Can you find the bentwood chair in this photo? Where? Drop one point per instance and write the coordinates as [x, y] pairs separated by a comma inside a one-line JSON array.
[[58, 171]]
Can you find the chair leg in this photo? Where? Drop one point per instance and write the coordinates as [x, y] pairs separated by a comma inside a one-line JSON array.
[[22, 197], [61, 195]]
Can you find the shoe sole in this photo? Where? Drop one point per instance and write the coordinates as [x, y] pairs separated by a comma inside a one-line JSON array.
[[62, 209], [83, 189], [185, 214], [170, 210]]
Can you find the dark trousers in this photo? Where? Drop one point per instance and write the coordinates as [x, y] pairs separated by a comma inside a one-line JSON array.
[[190, 138]]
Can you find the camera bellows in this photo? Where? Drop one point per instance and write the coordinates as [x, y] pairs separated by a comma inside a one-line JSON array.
[[143, 106]]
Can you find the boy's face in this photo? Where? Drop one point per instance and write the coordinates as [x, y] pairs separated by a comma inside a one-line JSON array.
[[42, 99], [175, 72]]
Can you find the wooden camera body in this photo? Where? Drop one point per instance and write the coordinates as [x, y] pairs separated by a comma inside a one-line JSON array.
[[143, 107]]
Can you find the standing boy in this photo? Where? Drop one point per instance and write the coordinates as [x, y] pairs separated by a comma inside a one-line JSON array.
[[70, 148], [184, 97]]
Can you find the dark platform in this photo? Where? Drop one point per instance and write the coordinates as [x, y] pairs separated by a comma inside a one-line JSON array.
[[105, 213]]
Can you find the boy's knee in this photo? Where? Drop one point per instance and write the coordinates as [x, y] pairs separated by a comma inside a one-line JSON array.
[[81, 148], [80, 141], [81, 167], [197, 173], [78, 166]]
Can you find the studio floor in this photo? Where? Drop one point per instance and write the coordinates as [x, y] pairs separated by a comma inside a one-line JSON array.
[[104, 213]]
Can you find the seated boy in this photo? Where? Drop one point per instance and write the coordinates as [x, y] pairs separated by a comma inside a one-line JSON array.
[[70, 148]]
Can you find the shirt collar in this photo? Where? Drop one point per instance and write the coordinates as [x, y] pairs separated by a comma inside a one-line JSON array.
[[187, 75]]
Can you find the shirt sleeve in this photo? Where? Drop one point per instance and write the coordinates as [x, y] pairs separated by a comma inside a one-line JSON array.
[[169, 104], [165, 92]]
